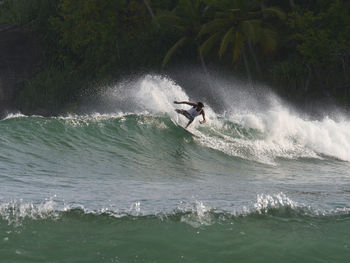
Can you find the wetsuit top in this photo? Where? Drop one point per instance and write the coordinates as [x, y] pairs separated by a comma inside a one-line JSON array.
[[193, 112]]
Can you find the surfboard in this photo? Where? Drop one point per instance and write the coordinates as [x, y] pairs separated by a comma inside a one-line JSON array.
[[192, 134], [177, 124]]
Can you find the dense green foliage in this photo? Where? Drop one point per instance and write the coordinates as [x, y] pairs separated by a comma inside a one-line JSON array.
[[301, 47], [239, 26]]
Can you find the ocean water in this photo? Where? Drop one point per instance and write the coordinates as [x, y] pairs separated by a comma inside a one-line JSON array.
[[125, 183]]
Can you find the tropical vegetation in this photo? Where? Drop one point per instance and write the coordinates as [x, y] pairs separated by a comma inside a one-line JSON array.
[[300, 47]]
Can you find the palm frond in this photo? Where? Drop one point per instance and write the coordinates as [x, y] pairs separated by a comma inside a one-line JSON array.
[[180, 28], [208, 44], [228, 37], [250, 28], [214, 26], [238, 45], [234, 10], [173, 49], [169, 19], [224, 14], [275, 12]]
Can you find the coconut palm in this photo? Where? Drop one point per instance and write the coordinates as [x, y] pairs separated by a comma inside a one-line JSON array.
[[240, 25], [150, 10], [186, 19]]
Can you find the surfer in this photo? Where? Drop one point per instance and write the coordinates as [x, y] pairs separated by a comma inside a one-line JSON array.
[[197, 109]]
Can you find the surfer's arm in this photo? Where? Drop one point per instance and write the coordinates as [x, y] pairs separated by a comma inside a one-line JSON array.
[[203, 115], [186, 102]]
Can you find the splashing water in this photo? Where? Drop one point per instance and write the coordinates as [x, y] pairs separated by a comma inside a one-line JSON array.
[[262, 134]]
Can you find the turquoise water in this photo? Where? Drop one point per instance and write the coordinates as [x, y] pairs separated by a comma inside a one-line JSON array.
[[130, 185]]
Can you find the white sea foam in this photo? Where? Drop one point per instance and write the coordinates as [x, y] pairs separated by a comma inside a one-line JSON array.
[[14, 116], [199, 215], [265, 202], [156, 94], [16, 211], [196, 214], [260, 133], [279, 134], [278, 131], [288, 135]]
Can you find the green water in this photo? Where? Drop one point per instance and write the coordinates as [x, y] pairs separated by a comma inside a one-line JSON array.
[[133, 186], [78, 237]]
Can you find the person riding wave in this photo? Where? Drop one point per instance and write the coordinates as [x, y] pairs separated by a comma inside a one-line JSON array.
[[196, 110]]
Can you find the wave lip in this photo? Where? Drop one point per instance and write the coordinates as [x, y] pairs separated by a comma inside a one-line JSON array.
[[196, 214], [313, 139], [16, 211]]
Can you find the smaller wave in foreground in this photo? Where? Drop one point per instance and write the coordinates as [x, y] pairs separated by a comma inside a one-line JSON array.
[[274, 227], [196, 214]]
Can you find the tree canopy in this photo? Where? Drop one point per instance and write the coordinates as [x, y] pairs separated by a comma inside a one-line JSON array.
[[301, 47]]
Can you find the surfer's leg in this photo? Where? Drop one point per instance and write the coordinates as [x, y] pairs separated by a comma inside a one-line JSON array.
[[187, 115], [188, 124], [184, 113], [180, 111]]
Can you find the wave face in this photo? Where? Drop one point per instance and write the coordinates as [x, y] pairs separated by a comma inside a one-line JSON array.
[[126, 183], [143, 110]]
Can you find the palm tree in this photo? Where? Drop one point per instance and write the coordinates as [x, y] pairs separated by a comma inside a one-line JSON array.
[[187, 20], [242, 26], [150, 10]]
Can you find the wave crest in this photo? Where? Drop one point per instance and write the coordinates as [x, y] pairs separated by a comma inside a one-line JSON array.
[[262, 134], [196, 214]]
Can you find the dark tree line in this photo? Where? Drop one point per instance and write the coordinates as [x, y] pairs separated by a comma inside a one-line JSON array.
[[301, 47]]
